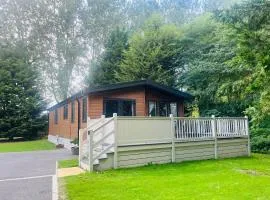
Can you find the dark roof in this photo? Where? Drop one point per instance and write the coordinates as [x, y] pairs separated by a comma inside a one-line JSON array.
[[144, 83]]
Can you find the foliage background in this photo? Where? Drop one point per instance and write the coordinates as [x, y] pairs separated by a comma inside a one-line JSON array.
[[218, 50]]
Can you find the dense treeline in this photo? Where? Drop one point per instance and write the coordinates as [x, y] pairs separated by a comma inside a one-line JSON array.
[[221, 57], [64, 38]]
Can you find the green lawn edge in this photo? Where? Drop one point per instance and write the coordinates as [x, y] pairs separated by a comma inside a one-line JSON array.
[[35, 145], [233, 178], [68, 163]]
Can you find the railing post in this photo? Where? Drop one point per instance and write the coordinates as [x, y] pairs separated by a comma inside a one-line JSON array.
[[247, 132], [88, 122], [80, 147], [115, 160], [103, 128], [214, 132], [90, 133], [173, 137]]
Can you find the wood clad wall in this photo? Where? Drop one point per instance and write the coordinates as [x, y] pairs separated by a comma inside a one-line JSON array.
[[157, 154], [232, 148], [134, 157], [64, 128], [140, 155], [144, 154], [96, 101], [194, 151], [95, 108], [155, 95], [141, 95]]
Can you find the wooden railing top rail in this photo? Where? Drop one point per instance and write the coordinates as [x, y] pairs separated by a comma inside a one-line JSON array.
[[166, 118], [142, 117], [194, 118], [102, 125], [94, 124]]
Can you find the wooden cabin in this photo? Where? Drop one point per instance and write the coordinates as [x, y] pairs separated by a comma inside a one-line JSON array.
[[138, 98]]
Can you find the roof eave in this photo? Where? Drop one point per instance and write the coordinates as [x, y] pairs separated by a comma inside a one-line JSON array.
[[172, 91]]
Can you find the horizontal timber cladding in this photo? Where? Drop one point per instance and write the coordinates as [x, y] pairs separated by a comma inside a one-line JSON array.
[[151, 154], [200, 150], [96, 100], [143, 154], [232, 147], [64, 127]]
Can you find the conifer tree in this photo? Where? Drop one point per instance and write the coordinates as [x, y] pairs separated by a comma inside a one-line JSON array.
[[20, 102]]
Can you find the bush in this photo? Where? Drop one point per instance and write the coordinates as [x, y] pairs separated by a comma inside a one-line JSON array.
[[260, 140]]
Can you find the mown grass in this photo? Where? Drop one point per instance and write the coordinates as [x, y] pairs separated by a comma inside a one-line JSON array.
[[68, 163], [26, 146], [237, 178]]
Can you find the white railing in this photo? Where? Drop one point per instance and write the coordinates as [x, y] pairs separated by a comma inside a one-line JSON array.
[[95, 141], [202, 128], [83, 148], [101, 140], [229, 127], [191, 128]]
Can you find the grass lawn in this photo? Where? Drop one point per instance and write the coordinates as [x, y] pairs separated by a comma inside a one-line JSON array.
[[68, 163], [26, 146], [238, 178]]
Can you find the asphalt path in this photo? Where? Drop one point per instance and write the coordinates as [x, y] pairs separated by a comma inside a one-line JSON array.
[[29, 175]]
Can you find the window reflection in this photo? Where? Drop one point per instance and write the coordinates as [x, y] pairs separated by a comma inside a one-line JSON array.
[[162, 108], [152, 108]]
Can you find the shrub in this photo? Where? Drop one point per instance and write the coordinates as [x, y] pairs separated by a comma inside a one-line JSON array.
[[260, 140]]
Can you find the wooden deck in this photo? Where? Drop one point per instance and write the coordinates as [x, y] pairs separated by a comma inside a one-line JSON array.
[[135, 141]]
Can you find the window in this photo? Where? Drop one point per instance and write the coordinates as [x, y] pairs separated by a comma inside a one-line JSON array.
[[111, 106], [163, 109], [56, 116], [66, 111], [152, 108], [72, 112], [120, 106], [128, 108], [173, 108], [84, 109]]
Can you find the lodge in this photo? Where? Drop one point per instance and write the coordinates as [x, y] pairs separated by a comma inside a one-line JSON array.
[[137, 98]]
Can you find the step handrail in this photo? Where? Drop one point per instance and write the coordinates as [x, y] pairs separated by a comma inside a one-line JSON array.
[[94, 124], [104, 135], [102, 152], [102, 125], [103, 138]]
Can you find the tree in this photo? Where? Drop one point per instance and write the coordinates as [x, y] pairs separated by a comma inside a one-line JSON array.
[[207, 51], [154, 53], [103, 72], [250, 21], [20, 102], [62, 37]]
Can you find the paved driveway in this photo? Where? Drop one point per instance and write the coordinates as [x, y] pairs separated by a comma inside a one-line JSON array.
[[29, 175]]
